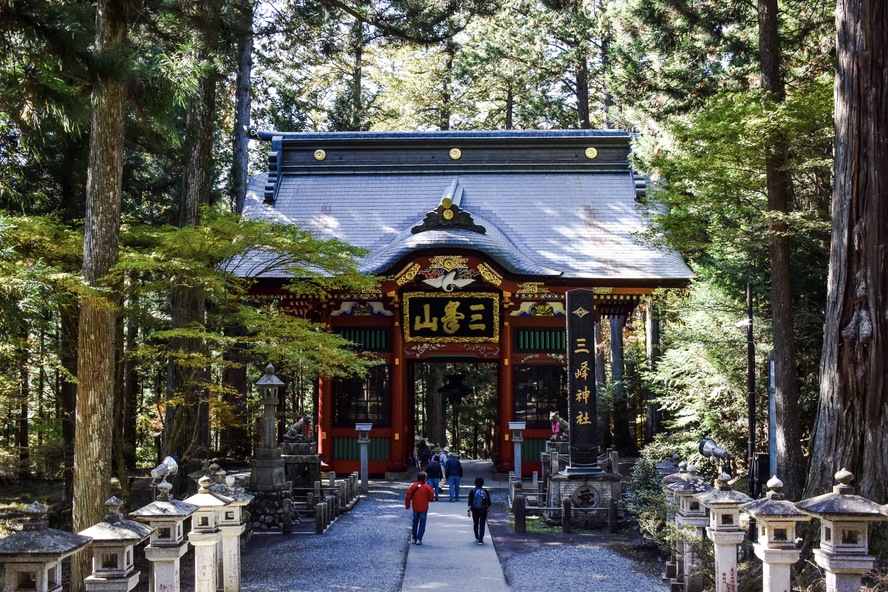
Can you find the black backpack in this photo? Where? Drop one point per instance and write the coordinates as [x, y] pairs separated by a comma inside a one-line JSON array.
[[481, 501]]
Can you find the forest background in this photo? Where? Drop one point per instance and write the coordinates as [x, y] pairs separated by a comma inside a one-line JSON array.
[[123, 168]]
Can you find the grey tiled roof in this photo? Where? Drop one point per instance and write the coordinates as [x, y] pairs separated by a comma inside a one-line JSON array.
[[565, 221]]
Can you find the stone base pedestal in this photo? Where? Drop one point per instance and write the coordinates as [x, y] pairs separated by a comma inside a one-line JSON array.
[[591, 495], [267, 470], [267, 510], [302, 463]]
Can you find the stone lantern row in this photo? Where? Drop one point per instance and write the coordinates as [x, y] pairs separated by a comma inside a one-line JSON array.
[[843, 551], [33, 556]]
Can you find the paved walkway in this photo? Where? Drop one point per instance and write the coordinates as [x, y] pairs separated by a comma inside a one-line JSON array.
[[449, 559]]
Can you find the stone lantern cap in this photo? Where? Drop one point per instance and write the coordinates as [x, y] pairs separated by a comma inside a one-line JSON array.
[[164, 507], [842, 503], [269, 379], [237, 494], [679, 475], [203, 471], [774, 507], [723, 495], [36, 542], [690, 484], [668, 467], [204, 498], [117, 529]]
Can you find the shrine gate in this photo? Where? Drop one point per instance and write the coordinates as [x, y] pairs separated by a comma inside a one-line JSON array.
[[478, 236]]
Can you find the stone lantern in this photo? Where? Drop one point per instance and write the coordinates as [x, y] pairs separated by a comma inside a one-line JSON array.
[[33, 557], [673, 563], [205, 534], [232, 526], [844, 519], [167, 544], [113, 542], [724, 530], [776, 519], [267, 467], [691, 517]]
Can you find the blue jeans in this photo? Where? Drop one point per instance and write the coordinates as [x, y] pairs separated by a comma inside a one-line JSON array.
[[435, 482], [419, 522], [453, 483]]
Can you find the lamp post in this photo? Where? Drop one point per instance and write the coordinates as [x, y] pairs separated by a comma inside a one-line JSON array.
[[517, 428], [363, 430]]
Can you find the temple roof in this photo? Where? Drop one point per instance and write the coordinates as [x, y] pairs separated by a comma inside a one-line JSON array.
[[551, 204]]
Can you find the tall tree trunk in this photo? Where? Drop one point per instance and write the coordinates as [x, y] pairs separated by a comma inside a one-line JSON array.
[[24, 468], [96, 331], [853, 410], [790, 462], [242, 101], [189, 436], [652, 346], [68, 316], [510, 108], [604, 415], [582, 88], [446, 108], [623, 440]]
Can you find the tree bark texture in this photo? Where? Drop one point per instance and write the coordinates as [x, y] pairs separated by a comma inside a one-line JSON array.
[[96, 331], [242, 102], [604, 416], [790, 461], [623, 440], [24, 470], [189, 435], [852, 417]]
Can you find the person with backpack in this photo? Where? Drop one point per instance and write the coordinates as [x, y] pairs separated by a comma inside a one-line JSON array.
[[435, 474], [454, 471], [419, 495], [479, 504]]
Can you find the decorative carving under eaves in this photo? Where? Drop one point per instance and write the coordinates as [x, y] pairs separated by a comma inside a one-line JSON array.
[[526, 358], [483, 348], [602, 290], [417, 349], [532, 288], [407, 274], [539, 309], [350, 308], [489, 275]]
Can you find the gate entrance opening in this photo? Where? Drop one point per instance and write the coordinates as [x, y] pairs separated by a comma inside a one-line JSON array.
[[455, 405]]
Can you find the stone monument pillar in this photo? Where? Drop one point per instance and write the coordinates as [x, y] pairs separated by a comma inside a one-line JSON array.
[[581, 405]]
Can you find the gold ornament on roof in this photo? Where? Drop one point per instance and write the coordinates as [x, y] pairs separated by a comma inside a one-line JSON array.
[[408, 274], [320, 155], [448, 262], [455, 153], [591, 153]]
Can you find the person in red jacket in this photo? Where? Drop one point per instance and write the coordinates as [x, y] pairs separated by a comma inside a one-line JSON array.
[[420, 494]]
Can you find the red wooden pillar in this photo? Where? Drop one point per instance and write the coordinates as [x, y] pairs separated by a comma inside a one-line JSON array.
[[325, 419], [400, 432], [325, 407], [506, 398]]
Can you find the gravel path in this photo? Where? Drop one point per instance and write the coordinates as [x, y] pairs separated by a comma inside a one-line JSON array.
[[366, 549]]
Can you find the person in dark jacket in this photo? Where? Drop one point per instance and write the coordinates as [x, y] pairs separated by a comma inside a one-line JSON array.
[[435, 474], [419, 495], [454, 472], [479, 504]]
